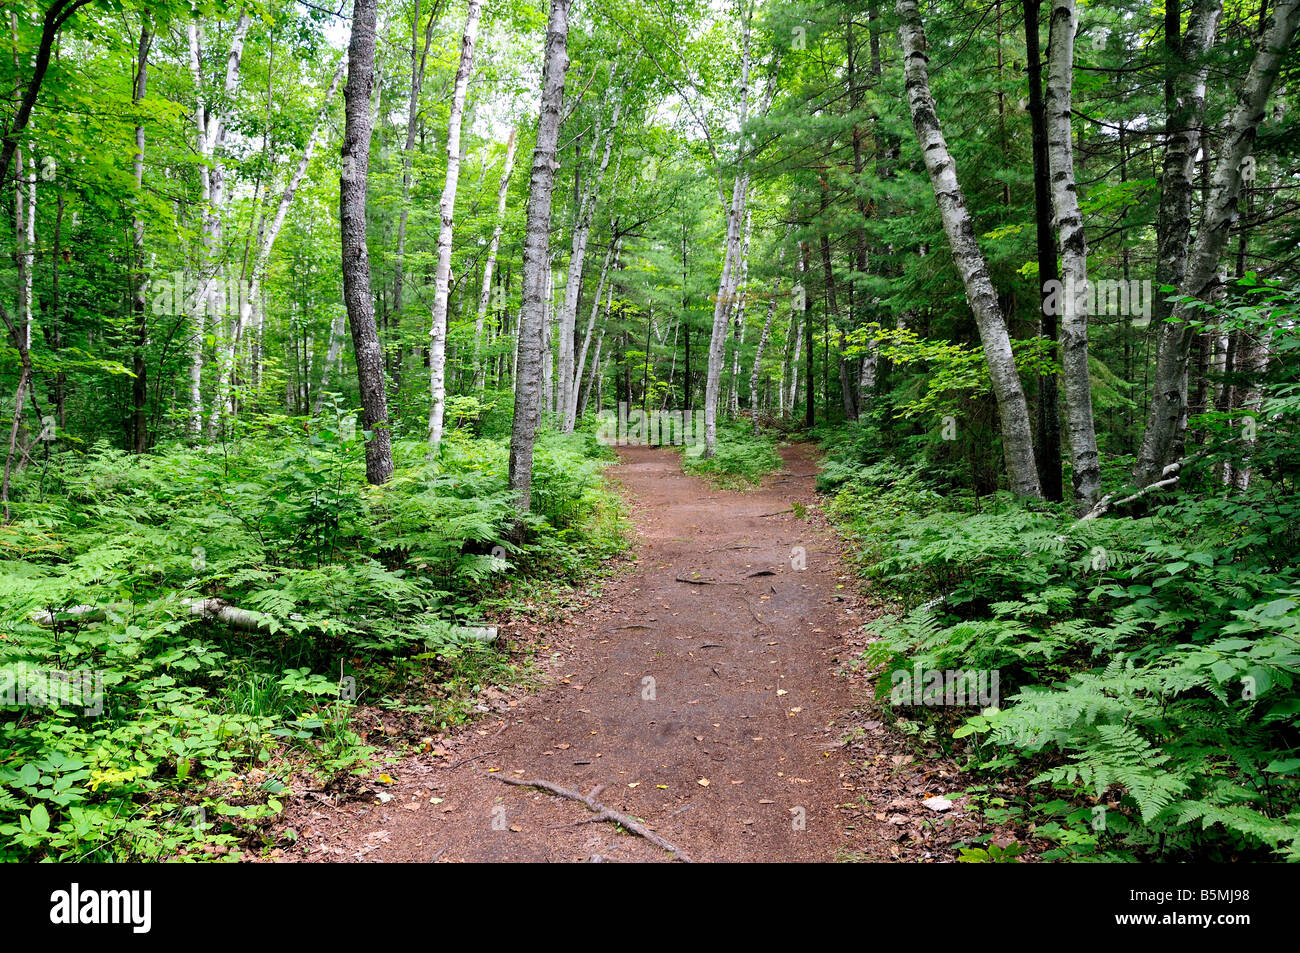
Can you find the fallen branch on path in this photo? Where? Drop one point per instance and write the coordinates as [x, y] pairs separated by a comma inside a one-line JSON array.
[[604, 813], [708, 582], [477, 757]]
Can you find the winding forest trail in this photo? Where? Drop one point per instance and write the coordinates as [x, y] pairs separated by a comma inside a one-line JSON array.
[[734, 752]]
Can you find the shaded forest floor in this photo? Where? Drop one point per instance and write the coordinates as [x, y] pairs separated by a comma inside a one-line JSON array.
[[708, 691]]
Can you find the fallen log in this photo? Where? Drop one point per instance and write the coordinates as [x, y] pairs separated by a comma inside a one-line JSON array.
[[213, 609]]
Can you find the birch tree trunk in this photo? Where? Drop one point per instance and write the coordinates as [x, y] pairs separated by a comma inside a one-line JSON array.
[[536, 258], [571, 409], [593, 379], [21, 330], [718, 336], [214, 227], [737, 305], [1167, 416], [568, 312], [1186, 114], [762, 341], [198, 303], [447, 212], [419, 57], [1013, 411], [489, 266], [268, 232], [139, 383], [356, 260], [731, 255], [335, 349], [796, 331], [1074, 258]]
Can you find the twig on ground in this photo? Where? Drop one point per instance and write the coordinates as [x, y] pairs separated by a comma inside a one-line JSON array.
[[604, 813], [468, 760]]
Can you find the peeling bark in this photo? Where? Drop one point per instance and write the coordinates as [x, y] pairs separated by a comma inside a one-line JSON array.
[[1013, 411], [1167, 416], [447, 212], [1074, 258]]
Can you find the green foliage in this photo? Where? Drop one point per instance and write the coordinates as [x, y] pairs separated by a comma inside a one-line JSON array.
[[175, 738], [740, 458], [1148, 665]]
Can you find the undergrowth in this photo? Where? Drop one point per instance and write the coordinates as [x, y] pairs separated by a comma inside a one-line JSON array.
[[740, 460], [133, 728], [1147, 663]]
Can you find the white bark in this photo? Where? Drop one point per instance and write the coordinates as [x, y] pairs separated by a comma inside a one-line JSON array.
[[731, 254], [568, 312], [214, 137], [1013, 411], [1074, 257], [762, 339], [331, 358], [447, 211], [489, 267], [1167, 416], [797, 331], [737, 303], [200, 307], [268, 232], [571, 407]]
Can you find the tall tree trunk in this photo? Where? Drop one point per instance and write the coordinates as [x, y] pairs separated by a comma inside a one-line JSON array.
[[762, 340], [737, 305], [571, 412], [333, 352], [218, 303], [199, 302], [1047, 445], [419, 57], [810, 380], [1017, 439], [356, 258], [489, 266], [730, 264], [447, 211], [20, 332], [1167, 416], [139, 383], [566, 397], [536, 256], [796, 331], [1074, 258], [268, 232]]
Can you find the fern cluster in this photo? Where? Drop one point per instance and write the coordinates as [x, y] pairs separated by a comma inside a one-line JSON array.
[[1148, 666], [350, 586]]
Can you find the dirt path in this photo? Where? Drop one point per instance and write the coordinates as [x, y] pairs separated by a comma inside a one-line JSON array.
[[708, 708]]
